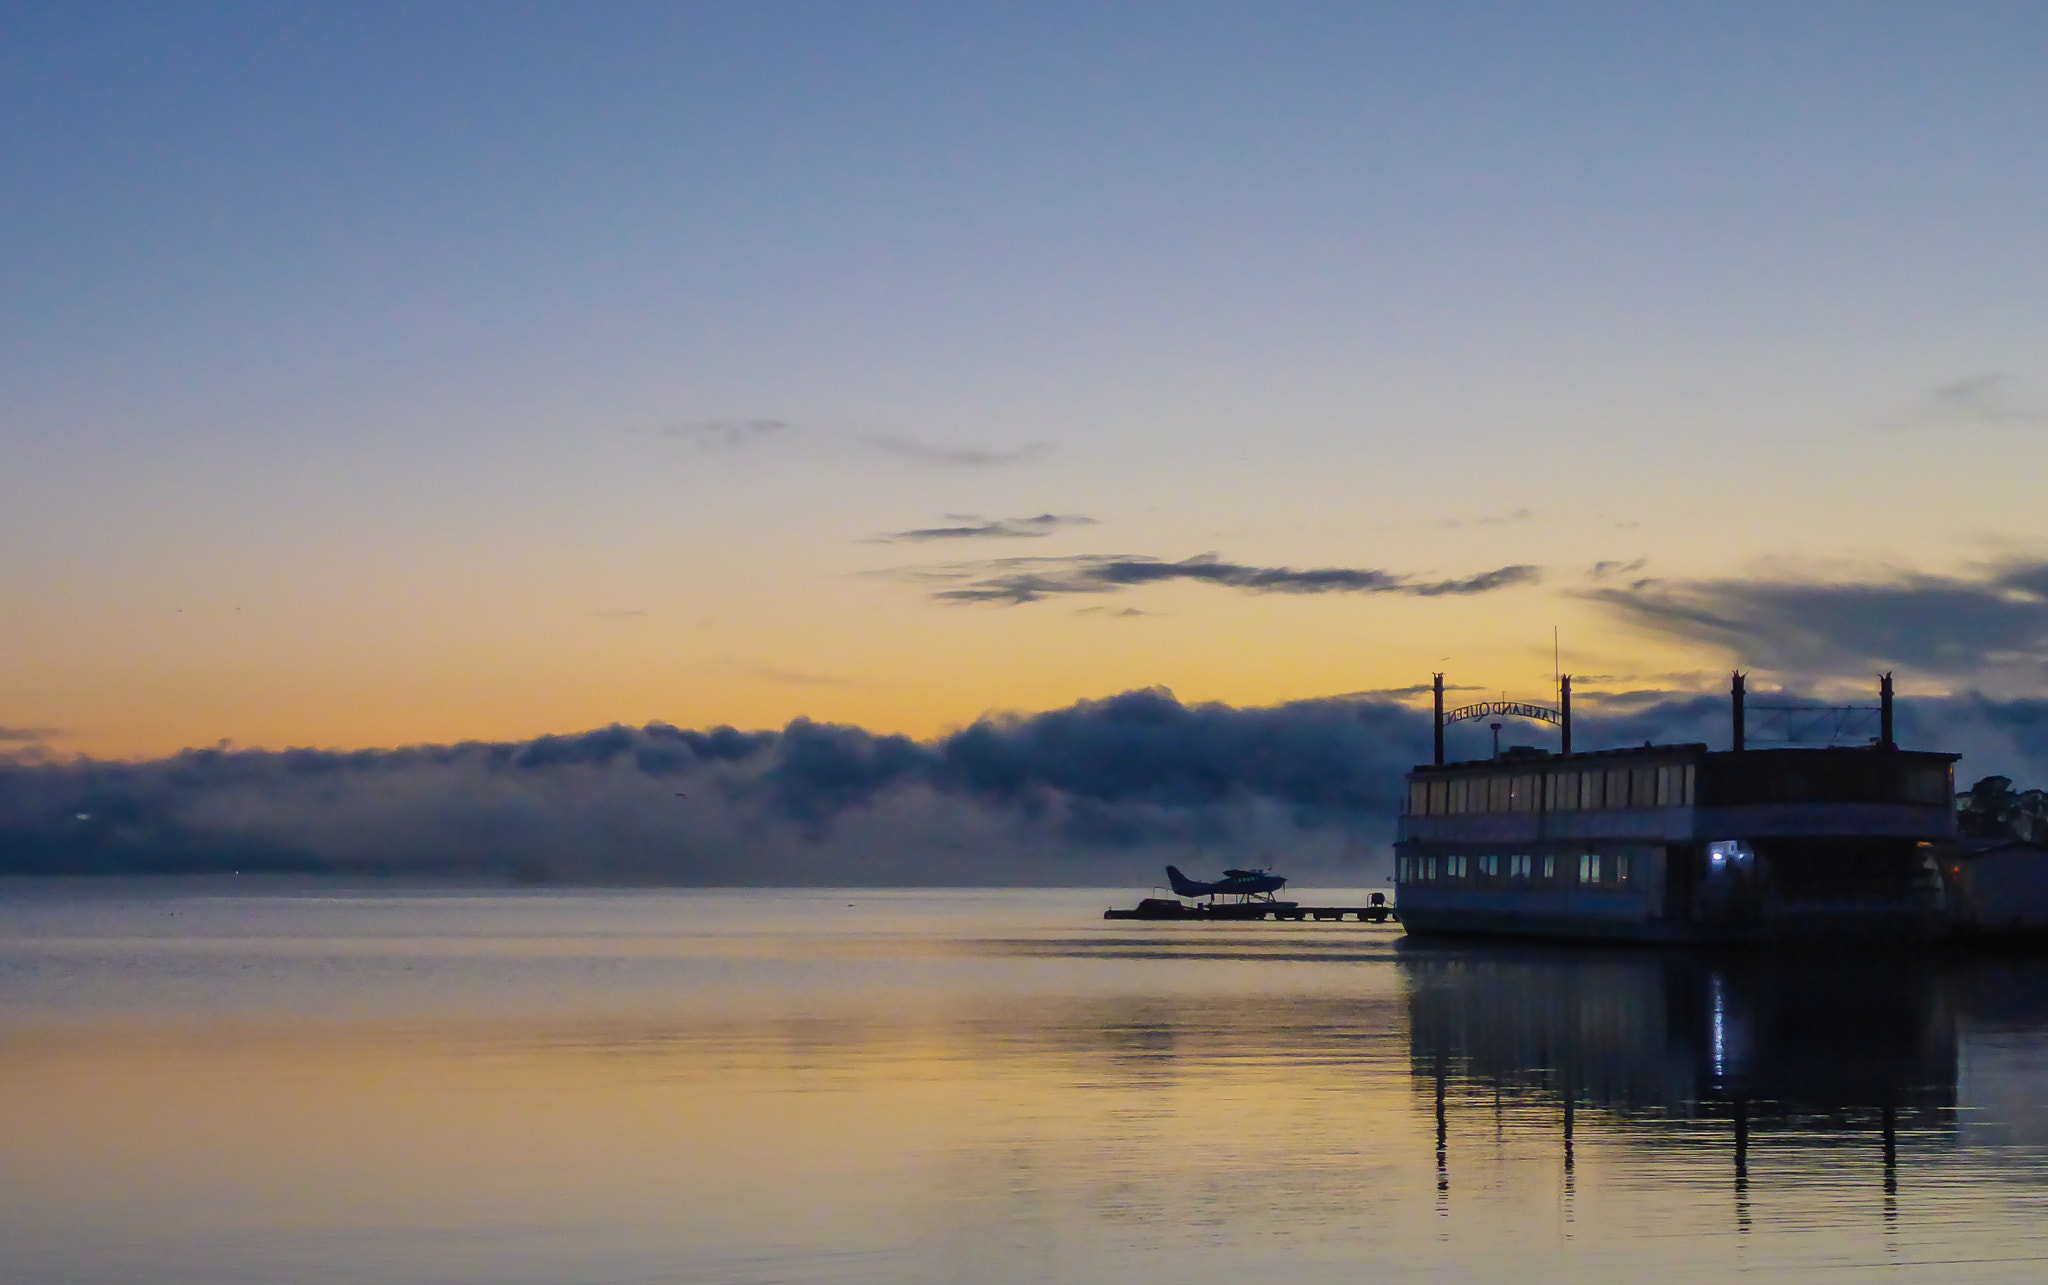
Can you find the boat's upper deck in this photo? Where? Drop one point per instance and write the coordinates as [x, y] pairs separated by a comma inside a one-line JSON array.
[[1678, 791]]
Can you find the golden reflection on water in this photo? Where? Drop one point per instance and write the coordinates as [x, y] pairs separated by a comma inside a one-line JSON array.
[[989, 1088]]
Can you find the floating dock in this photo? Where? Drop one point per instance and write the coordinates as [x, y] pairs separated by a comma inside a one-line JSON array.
[[1162, 908]]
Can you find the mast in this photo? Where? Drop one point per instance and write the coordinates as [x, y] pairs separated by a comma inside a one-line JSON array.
[[1439, 720], [1564, 710]]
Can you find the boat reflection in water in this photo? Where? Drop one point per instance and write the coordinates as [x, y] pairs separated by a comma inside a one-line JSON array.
[[1832, 1052]]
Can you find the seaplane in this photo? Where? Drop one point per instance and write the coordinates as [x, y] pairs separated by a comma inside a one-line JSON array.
[[1245, 885]]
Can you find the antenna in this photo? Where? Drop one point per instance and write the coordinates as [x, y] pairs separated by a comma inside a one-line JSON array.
[[1556, 668]]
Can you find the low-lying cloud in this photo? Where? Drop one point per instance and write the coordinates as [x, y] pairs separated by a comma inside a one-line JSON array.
[[1099, 793], [1947, 625], [1012, 581]]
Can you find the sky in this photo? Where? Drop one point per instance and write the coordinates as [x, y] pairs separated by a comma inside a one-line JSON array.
[[385, 374]]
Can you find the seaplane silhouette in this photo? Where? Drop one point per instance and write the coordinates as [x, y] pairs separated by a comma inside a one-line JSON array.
[[1234, 883]]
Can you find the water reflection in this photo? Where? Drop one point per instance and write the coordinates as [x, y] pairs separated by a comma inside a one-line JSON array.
[[1824, 1073], [549, 1089]]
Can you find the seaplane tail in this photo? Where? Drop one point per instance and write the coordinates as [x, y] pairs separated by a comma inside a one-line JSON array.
[[1184, 886]]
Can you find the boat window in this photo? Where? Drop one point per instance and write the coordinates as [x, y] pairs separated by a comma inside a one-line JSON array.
[[1497, 794], [1671, 785], [1617, 787], [1429, 868], [1589, 867], [1437, 798], [1644, 791], [1685, 788], [1929, 785], [1621, 868], [1550, 867], [1564, 792], [1456, 791], [1592, 796], [1518, 866], [1457, 867]]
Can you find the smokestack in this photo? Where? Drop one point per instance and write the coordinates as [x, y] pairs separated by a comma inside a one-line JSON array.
[[1564, 710], [1884, 711], [1735, 697], [1439, 720]]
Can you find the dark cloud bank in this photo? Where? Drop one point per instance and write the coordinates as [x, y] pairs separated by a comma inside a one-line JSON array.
[[1102, 792], [1994, 621]]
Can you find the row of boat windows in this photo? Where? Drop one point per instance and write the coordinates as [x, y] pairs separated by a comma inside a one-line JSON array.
[[1668, 785], [1593, 868]]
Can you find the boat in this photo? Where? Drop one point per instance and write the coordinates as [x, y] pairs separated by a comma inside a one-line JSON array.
[[1679, 842]]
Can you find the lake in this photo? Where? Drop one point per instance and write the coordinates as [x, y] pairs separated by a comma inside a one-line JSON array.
[[220, 1082]]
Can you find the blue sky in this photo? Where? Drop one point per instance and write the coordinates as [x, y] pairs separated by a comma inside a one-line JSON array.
[[387, 372]]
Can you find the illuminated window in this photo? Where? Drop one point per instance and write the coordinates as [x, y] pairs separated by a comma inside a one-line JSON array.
[[1489, 866], [1429, 869], [1589, 867], [1518, 866]]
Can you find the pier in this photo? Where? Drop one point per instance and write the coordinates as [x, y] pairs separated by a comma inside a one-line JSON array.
[[1163, 908]]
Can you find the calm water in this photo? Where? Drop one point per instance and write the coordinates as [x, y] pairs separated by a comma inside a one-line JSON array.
[[205, 1085]]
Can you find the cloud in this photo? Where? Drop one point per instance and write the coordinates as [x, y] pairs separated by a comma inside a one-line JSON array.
[[1100, 792], [1954, 626], [728, 434], [27, 735], [1500, 519], [916, 452], [1980, 400], [1011, 581], [735, 435], [969, 527], [1607, 569]]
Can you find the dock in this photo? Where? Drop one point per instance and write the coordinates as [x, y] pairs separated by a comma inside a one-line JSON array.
[[1162, 908]]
